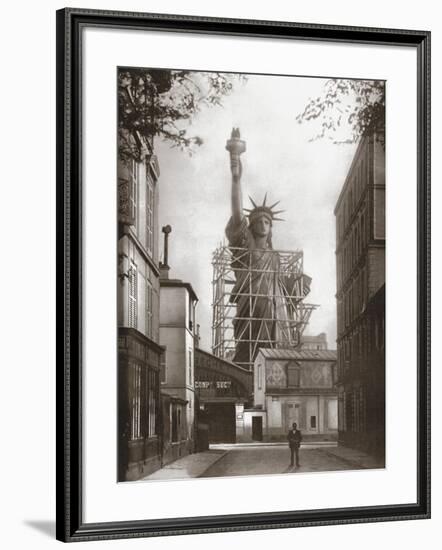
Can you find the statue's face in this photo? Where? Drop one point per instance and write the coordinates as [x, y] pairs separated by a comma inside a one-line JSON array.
[[261, 226]]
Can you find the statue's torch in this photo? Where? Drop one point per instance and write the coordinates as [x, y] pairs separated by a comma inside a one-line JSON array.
[[236, 147]]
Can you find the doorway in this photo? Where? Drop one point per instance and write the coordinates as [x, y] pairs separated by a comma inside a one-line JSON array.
[[257, 428], [292, 415], [221, 421]]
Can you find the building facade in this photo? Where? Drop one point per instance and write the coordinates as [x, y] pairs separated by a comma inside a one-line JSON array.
[[177, 336], [317, 342], [139, 350], [360, 267], [295, 386]]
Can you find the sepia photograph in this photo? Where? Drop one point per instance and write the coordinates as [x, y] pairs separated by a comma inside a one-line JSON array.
[[251, 274]]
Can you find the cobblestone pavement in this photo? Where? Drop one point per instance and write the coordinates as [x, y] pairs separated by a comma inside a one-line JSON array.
[[243, 461]]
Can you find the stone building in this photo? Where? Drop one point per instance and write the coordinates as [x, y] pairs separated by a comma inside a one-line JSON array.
[[177, 336], [139, 350], [360, 257], [294, 386]]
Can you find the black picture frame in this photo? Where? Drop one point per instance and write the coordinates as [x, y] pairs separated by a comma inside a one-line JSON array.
[[70, 23]]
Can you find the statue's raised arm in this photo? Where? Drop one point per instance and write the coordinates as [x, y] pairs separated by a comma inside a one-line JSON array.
[[236, 147]]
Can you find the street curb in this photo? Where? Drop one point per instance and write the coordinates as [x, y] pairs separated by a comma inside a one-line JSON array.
[[304, 444]]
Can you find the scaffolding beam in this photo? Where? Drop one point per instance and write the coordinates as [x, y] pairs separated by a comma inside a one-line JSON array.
[[270, 295]]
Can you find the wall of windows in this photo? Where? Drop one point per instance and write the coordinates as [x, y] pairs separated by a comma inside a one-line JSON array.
[[138, 291]]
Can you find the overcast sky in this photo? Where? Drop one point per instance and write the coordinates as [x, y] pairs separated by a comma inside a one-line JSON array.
[[305, 176]]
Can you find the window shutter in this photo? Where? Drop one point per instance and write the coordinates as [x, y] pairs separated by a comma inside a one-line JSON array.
[[133, 294], [133, 197], [150, 210], [149, 308]]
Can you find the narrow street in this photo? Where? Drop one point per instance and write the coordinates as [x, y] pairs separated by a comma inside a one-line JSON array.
[[243, 461]]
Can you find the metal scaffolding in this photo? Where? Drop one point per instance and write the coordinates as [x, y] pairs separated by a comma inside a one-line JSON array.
[[239, 331]]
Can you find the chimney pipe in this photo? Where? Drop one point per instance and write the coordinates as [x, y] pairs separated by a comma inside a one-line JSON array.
[[164, 266]]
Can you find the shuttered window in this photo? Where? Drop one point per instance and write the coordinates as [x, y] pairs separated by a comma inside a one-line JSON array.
[[293, 375], [133, 195], [149, 308], [150, 209], [133, 295]]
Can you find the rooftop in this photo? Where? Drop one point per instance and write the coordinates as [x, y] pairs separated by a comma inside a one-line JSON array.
[[307, 338], [299, 355], [178, 283], [222, 360]]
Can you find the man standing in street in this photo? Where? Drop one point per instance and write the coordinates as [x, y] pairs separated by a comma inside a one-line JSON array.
[[294, 438]]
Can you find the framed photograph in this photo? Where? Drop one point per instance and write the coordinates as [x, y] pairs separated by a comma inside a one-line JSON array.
[[243, 214]]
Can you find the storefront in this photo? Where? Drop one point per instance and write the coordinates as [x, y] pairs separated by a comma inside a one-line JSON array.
[[139, 419]]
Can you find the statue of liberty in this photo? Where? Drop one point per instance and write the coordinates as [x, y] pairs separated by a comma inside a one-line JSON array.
[[265, 295]]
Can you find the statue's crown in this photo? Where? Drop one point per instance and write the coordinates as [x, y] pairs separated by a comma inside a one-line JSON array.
[[263, 210]]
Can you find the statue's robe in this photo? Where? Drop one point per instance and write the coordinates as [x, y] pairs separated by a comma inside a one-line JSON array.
[[263, 317]]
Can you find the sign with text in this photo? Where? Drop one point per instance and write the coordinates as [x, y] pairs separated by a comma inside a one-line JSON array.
[[218, 384]]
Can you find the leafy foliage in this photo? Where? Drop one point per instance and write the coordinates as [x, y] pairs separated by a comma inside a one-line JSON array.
[[157, 102], [357, 104]]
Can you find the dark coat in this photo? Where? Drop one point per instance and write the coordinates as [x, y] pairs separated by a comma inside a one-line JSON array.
[[294, 438]]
